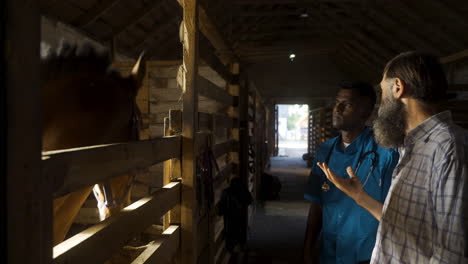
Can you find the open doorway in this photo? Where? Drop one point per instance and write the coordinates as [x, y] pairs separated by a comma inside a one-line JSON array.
[[292, 129]]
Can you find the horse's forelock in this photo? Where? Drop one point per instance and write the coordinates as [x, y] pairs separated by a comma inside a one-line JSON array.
[[72, 58]]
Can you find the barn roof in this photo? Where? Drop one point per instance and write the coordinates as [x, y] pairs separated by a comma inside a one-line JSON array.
[[359, 36]]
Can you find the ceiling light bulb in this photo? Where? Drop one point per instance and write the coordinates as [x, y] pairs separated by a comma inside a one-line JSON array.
[[292, 56], [304, 15]]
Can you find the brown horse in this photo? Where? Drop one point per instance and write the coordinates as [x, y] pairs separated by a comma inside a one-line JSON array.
[[87, 103]]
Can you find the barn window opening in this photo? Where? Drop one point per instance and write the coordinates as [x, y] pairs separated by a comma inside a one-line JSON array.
[[292, 129]]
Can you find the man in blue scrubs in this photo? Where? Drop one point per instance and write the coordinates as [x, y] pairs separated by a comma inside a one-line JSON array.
[[348, 231]]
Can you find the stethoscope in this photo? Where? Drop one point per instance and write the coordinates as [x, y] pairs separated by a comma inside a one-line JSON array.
[[326, 186]]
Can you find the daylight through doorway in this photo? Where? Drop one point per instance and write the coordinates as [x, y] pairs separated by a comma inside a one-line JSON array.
[[292, 129]]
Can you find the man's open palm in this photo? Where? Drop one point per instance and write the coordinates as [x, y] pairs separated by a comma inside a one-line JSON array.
[[351, 187]]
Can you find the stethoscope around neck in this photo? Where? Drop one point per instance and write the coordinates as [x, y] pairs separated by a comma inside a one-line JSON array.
[[326, 186]]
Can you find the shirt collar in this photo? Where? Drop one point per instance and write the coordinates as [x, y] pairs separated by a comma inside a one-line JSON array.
[[423, 129], [354, 146]]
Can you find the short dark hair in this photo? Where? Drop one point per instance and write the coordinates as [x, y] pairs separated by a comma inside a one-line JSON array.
[[422, 73], [362, 88]]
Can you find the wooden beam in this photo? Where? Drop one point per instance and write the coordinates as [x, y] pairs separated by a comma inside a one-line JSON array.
[[207, 54], [454, 57], [289, 2], [224, 121], [364, 39], [95, 12], [362, 52], [26, 223], [225, 147], [375, 47], [162, 249], [413, 39], [273, 13], [220, 121], [114, 232], [279, 55], [165, 50], [364, 65], [212, 33], [353, 65], [433, 30], [460, 20], [286, 34], [189, 207], [397, 45], [210, 90], [362, 58], [72, 169], [296, 43], [157, 30], [283, 24], [247, 29], [137, 17]]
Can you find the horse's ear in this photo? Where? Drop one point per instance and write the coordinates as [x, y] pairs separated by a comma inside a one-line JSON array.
[[139, 70]]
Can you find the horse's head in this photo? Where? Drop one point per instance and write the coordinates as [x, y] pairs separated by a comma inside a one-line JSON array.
[[85, 101]]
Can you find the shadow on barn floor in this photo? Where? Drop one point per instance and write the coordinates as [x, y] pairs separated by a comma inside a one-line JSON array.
[[277, 230]]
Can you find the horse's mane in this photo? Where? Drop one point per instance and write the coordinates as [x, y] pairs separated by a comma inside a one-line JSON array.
[[70, 58]]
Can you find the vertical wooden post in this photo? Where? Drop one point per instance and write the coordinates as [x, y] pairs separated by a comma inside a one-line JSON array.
[[175, 117], [189, 128], [167, 171], [233, 89], [29, 200]]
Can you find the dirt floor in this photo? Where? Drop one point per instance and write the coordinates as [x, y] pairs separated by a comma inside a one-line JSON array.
[[277, 231]]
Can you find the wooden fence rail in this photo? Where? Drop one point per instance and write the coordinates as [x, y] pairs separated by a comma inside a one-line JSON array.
[[99, 242], [72, 169], [210, 90], [162, 249]]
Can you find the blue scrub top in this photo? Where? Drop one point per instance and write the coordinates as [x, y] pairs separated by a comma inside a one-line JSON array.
[[348, 230]]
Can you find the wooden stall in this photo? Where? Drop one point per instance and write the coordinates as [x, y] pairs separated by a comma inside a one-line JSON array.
[[206, 116]]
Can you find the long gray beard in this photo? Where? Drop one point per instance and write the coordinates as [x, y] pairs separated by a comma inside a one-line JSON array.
[[390, 125]]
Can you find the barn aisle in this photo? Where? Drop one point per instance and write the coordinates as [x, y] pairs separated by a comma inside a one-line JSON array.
[[277, 231]]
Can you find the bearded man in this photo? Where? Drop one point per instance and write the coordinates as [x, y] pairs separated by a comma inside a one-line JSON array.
[[424, 217]]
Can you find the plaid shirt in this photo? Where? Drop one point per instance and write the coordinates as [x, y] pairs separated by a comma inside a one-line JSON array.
[[424, 217]]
